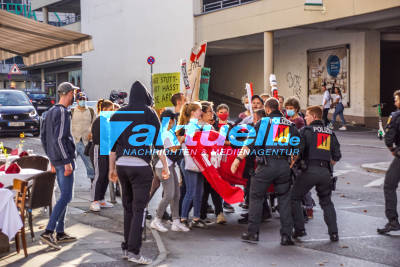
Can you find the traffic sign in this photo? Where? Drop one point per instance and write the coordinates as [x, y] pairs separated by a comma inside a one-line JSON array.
[[14, 70], [151, 60]]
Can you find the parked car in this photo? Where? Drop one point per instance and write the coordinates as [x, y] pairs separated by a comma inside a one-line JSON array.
[[41, 101], [17, 114]]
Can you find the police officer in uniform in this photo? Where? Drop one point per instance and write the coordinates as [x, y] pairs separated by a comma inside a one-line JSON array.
[[319, 150], [392, 178], [272, 168]]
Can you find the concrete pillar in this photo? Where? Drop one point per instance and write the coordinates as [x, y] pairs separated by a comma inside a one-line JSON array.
[[268, 59], [45, 12], [197, 7], [42, 79]]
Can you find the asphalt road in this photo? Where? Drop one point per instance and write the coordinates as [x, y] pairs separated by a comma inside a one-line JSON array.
[[360, 211]]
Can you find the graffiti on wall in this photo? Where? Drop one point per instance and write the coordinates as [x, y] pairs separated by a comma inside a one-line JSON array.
[[294, 82]]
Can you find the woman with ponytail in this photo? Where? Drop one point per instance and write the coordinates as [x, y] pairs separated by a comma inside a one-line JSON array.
[[100, 162], [190, 116]]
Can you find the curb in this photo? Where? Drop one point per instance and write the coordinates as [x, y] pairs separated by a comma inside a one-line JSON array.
[[160, 245]]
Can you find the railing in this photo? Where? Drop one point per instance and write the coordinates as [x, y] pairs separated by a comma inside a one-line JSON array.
[[69, 19], [224, 4]]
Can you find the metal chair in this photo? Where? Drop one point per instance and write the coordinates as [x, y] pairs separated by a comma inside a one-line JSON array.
[[33, 162], [40, 195], [21, 188]]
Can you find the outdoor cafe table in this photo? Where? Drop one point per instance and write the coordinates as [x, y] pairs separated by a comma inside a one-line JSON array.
[[25, 174]]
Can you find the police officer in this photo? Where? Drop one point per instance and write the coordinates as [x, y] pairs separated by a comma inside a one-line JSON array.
[[280, 139], [392, 178], [319, 150]]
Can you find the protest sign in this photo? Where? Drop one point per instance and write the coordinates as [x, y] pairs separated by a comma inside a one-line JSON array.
[[204, 83], [196, 63], [164, 86]]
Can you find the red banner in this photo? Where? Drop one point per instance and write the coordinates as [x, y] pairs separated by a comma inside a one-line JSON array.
[[220, 178]]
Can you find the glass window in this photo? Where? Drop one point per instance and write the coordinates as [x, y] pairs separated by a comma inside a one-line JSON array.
[[16, 98]]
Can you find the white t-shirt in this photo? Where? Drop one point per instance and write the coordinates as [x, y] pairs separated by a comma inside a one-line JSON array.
[[167, 144], [338, 97], [327, 98]]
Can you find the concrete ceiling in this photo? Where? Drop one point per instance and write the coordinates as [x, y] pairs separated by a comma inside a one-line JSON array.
[[66, 6]]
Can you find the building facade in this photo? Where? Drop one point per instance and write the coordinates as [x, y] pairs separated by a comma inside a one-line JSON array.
[[350, 44]]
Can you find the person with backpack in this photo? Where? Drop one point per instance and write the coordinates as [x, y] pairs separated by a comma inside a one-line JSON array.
[[82, 118]]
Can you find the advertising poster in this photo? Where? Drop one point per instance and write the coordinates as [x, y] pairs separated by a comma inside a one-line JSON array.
[[328, 66]]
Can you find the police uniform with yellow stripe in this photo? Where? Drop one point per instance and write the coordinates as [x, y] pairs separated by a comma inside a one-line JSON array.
[[392, 177], [318, 147]]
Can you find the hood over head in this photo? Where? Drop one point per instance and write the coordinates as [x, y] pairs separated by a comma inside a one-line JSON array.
[[139, 95]]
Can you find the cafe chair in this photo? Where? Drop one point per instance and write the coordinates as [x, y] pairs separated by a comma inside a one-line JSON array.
[[33, 162], [40, 195], [20, 187]]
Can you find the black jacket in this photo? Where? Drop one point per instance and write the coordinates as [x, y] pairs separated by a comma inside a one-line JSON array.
[[327, 148], [392, 136], [139, 100], [56, 136], [283, 127]]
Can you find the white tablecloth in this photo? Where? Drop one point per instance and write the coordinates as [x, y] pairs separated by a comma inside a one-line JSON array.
[[10, 157], [10, 221], [25, 174]]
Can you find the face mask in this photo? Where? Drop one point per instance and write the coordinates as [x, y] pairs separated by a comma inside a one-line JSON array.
[[290, 112], [223, 116], [247, 106], [82, 103]]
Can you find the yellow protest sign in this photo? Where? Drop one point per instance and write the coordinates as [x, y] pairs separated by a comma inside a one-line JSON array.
[[164, 86]]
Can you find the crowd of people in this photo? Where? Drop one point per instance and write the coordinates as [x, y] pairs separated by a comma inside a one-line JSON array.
[[184, 186]]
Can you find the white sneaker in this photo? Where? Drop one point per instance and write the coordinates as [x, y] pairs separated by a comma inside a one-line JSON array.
[[157, 225], [95, 206], [343, 128], [105, 204], [139, 259], [177, 226]]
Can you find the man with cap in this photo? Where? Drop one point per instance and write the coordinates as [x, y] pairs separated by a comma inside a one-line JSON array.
[[59, 147]]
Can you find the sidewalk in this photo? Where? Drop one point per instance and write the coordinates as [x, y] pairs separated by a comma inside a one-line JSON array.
[[99, 239]]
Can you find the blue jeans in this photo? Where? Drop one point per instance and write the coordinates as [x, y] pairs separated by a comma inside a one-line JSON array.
[[194, 192], [339, 111], [65, 183], [80, 149]]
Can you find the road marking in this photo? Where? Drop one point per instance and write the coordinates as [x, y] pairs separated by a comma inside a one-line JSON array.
[[376, 183], [341, 172], [355, 206], [341, 238]]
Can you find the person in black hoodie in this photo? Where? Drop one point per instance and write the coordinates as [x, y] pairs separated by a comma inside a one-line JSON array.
[[130, 163]]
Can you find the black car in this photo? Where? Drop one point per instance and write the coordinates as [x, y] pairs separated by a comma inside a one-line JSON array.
[[17, 114], [40, 100]]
